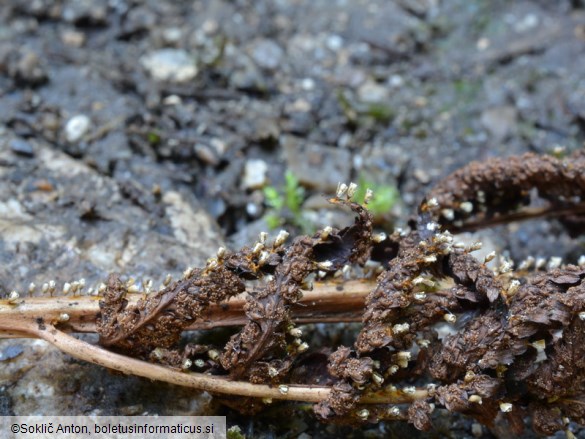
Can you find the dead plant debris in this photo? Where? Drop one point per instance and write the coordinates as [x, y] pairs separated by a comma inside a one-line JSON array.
[[514, 348]]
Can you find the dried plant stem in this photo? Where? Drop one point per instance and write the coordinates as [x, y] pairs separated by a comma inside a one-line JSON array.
[[328, 302], [528, 213], [35, 328], [37, 317], [209, 383], [505, 320]]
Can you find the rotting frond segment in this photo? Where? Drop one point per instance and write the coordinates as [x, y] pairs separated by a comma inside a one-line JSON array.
[[503, 326]]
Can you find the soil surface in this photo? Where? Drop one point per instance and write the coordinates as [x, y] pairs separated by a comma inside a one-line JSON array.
[[138, 136]]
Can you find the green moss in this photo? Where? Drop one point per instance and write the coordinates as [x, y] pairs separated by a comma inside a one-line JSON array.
[[467, 91], [153, 138], [380, 112], [347, 108], [358, 113]]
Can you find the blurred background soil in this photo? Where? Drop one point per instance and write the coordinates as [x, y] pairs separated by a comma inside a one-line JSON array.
[[138, 136]]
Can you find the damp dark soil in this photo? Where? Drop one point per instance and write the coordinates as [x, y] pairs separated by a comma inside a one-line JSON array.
[[138, 137]]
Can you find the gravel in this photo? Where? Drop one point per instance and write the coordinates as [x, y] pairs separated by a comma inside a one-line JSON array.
[[136, 136], [77, 127], [173, 65]]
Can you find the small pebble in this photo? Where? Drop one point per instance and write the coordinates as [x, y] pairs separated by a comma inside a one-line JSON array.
[[476, 429], [422, 176], [308, 84], [172, 35], [372, 93], [254, 174], [77, 127], [206, 154], [22, 147], [73, 38], [395, 81], [334, 42], [173, 65], [30, 70], [11, 352], [267, 54]]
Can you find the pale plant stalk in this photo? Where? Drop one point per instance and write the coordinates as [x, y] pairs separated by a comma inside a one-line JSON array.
[[328, 302], [47, 318]]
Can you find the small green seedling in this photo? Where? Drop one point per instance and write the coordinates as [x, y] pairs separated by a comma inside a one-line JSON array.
[[286, 204], [385, 196], [357, 113]]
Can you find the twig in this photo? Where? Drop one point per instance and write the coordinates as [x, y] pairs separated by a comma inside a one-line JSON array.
[[328, 302], [526, 214], [16, 323]]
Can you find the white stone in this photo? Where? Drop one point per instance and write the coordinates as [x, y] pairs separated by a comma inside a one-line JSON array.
[[77, 127], [173, 65], [334, 42], [267, 54], [308, 84], [254, 174], [372, 93], [395, 81]]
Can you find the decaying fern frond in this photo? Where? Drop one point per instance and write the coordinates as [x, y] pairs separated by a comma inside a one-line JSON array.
[[439, 328]]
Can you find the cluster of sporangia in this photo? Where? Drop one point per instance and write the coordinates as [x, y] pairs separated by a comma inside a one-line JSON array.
[[512, 343]]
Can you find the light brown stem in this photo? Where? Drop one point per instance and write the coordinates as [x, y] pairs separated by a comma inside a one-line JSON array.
[[528, 213], [215, 384], [328, 302], [209, 383]]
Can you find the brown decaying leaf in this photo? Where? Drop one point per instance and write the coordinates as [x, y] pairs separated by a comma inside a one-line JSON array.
[[509, 352]]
